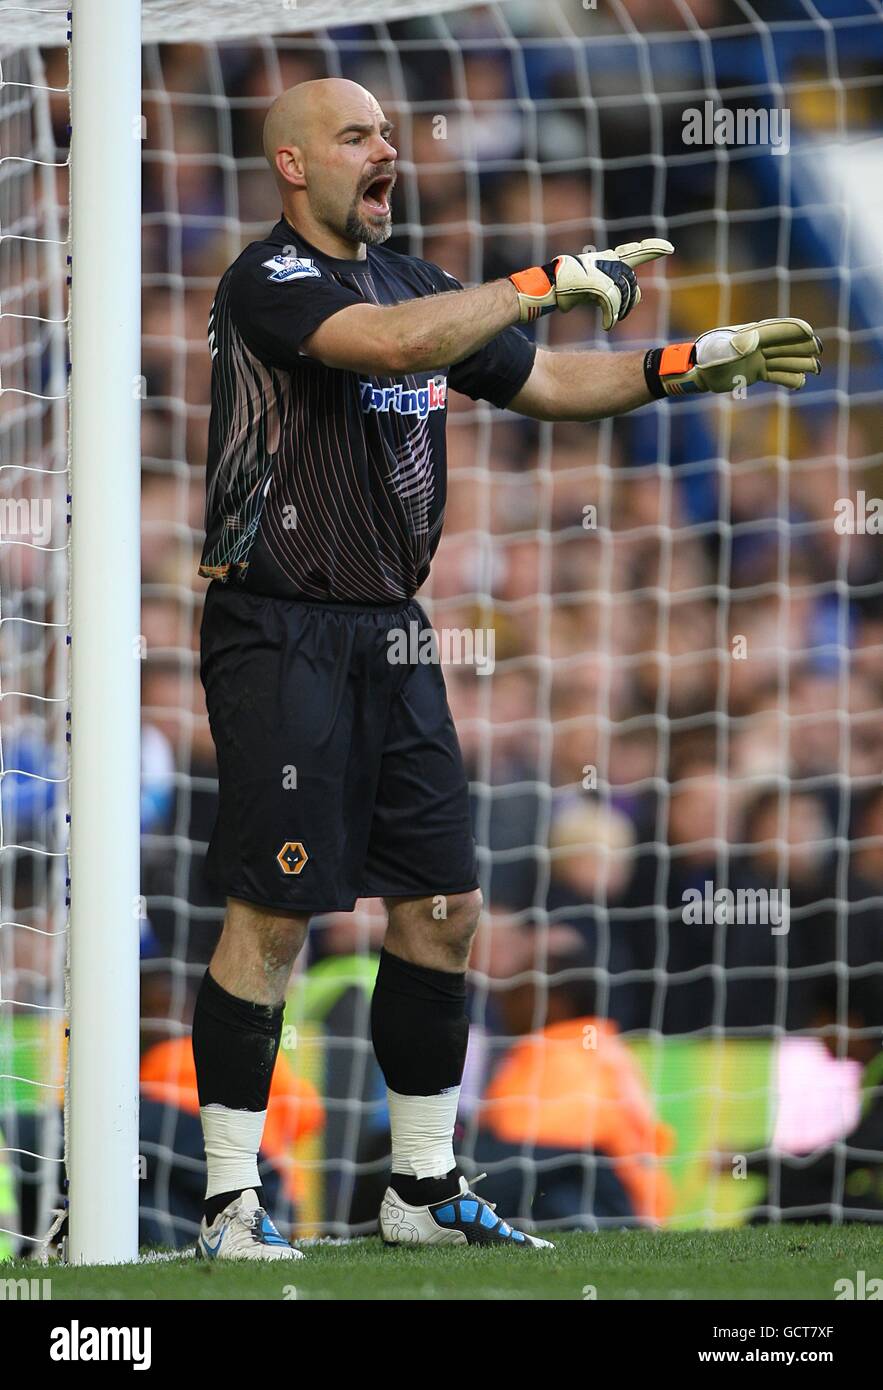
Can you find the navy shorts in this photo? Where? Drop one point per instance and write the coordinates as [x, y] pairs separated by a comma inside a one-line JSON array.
[[340, 771]]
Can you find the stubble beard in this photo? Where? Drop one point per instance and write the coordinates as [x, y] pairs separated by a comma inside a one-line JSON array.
[[370, 233]]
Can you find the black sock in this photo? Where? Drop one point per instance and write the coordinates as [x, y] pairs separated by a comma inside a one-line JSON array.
[[418, 1026], [235, 1043], [213, 1206], [420, 1030], [423, 1192]]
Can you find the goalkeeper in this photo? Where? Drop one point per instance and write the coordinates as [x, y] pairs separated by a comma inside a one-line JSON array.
[[339, 769]]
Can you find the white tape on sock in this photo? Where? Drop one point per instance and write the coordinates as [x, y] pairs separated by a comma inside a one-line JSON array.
[[423, 1132], [232, 1139]]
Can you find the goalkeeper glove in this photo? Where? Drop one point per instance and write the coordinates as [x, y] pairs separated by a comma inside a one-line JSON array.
[[605, 277], [777, 350]]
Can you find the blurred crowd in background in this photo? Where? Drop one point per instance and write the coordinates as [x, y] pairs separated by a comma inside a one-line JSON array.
[[689, 653]]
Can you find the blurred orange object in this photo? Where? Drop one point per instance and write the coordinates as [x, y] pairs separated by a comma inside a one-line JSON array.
[[575, 1085], [295, 1111]]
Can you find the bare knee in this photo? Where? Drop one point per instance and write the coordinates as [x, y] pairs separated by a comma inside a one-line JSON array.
[[257, 950], [464, 911], [436, 932]]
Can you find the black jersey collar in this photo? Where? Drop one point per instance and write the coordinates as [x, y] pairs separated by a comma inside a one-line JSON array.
[[284, 232]]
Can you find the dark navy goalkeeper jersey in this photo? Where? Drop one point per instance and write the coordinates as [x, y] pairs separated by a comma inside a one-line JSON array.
[[324, 484]]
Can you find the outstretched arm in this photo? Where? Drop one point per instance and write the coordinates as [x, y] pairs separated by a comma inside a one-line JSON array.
[[582, 385], [421, 335], [590, 385], [418, 335]]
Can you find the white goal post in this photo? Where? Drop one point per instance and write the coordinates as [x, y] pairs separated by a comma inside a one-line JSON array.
[[102, 1139]]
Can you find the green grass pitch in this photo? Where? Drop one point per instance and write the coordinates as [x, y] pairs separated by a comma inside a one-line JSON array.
[[780, 1262]]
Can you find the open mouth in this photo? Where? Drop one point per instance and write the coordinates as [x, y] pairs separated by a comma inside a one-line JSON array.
[[376, 195]]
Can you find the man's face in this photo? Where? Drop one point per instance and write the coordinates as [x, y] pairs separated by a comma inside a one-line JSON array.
[[350, 168]]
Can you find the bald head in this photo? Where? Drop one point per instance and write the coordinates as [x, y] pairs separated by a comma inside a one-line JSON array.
[[312, 111], [328, 144]]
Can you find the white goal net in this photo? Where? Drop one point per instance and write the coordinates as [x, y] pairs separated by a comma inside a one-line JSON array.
[[33, 629], [677, 994]]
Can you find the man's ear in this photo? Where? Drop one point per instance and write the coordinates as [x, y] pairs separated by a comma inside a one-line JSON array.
[[290, 166]]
